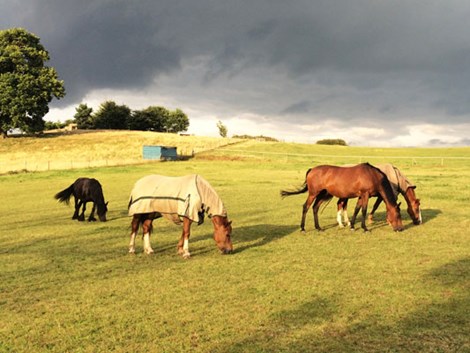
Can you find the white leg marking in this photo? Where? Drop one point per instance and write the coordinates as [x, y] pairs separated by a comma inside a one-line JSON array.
[[346, 218], [132, 244], [339, 220], [186, 253], [147, 248]]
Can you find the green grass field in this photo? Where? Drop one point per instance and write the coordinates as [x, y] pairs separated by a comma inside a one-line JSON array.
[[72, 287]]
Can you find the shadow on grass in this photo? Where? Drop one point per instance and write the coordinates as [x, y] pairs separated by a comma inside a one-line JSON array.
[[284, 331], [259, 235], [441, 326], [429, 214]]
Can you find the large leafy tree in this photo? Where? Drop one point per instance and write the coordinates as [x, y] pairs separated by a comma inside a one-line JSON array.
[[177, 121], [83, 117], [151, 118], [112, 116], [27, 85]]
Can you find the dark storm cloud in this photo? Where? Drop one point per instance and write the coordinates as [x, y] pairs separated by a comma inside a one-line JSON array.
[[296, 108], [386, 57]]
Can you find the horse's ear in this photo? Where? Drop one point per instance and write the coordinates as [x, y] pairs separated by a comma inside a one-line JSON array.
[[399, 204], [229, 223], [106, 204]]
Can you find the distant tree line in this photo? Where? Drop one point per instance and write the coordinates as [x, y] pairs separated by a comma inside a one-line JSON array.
[[332, 142], [120, 117], [259, 137]]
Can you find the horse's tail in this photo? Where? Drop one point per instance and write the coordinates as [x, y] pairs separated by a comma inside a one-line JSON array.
[[64, 195], [301, 190]]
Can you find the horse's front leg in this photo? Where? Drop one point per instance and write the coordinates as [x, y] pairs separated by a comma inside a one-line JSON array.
[[345, 214], [374, 208], [365, 201], [356, 211], [92, 218], [81, 217], [183, 244], [147, 230]]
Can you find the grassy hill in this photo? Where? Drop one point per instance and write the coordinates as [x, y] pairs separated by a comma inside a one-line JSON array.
[[106, 148], [93, 148]]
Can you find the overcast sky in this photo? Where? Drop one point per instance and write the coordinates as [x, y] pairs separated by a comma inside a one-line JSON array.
[[371, 72]]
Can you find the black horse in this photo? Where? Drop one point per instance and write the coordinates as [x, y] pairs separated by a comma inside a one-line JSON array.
[[85, 190]]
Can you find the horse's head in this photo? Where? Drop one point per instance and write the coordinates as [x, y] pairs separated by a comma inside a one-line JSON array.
[[394, 218], [102, 209], [413, 209], [223, 234]]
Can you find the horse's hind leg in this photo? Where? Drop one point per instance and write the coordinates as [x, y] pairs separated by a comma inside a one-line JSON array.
[[365, 201], [322, 196], [78, 204], [135, 228], [342, 213], [305, 208], [147, 229], [92, 218]]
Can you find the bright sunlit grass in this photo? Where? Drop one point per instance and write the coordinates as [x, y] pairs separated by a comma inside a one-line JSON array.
[[71, 287]]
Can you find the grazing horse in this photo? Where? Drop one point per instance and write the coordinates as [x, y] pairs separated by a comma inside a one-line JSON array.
[[400, 185], [362, 181], [85, 190], [181, 200]]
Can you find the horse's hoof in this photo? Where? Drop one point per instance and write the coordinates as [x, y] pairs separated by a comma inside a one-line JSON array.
[[132, 251], [303, 231], [186, 256], [352, 229]]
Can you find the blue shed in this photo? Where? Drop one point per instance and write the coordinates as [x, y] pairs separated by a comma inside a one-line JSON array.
[[160, 152]]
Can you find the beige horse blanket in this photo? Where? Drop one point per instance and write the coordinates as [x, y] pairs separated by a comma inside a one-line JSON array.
[[398, 181], [188, 196]]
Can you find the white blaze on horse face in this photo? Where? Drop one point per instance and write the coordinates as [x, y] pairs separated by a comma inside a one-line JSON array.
[[147, 248], [132, 244]]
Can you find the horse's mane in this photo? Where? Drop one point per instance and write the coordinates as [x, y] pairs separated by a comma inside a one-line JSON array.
[[385, 184]]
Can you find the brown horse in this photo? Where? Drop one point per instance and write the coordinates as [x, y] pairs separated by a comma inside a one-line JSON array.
[[362, 181], [182, 200], [400, 185]]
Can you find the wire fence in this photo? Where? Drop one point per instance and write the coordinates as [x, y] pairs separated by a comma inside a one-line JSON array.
[[34, 164], [344, 159]]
